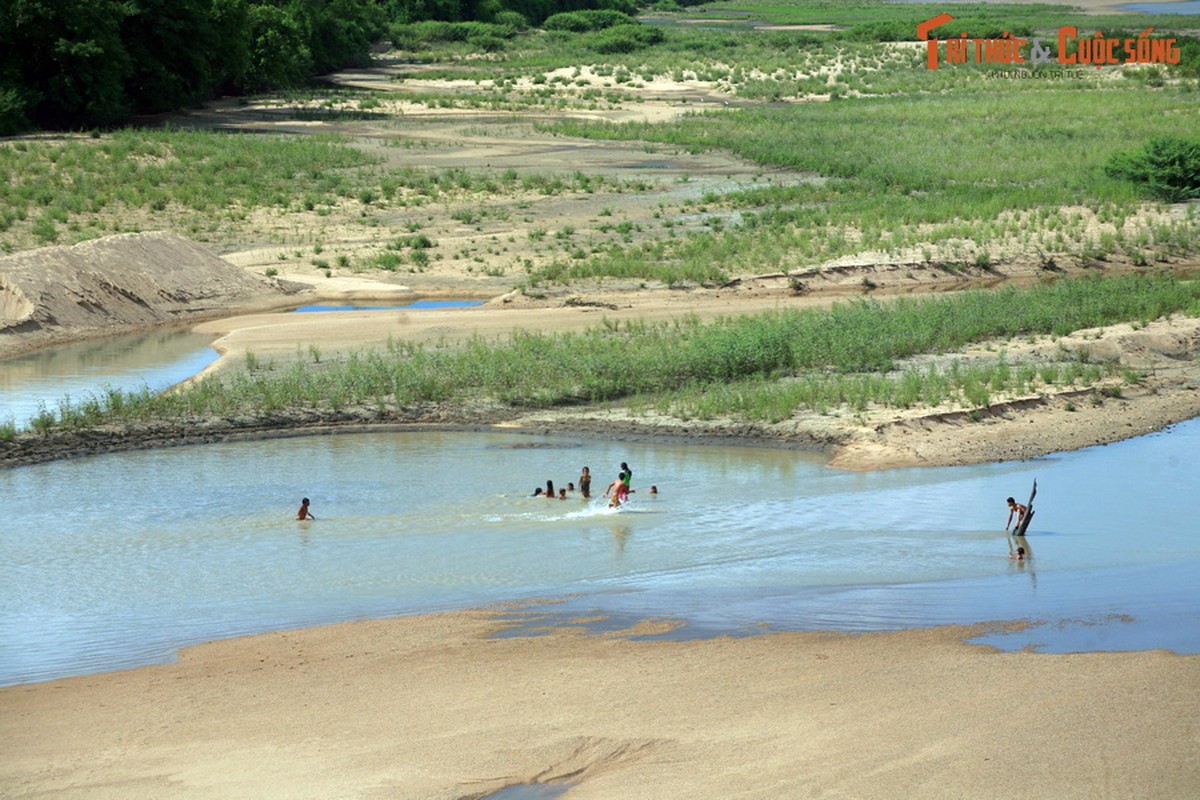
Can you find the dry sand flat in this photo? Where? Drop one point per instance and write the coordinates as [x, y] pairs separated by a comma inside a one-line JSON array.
[[431, 707]]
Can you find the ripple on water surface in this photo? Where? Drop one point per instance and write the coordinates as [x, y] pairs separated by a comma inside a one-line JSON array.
[[117, 560]]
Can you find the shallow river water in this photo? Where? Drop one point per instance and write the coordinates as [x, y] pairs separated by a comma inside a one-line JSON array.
[[117, 560], [37, 382]]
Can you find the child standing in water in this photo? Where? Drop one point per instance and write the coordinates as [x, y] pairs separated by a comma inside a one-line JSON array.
[[1014, 508], [613, 492], [619, 489], [585, 483]]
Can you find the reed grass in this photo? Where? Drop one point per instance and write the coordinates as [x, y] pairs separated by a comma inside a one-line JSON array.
[[770, 362], [891, 21], [968, 385]]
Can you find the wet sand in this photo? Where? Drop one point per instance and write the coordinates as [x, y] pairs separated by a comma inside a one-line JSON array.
[[433, 707]]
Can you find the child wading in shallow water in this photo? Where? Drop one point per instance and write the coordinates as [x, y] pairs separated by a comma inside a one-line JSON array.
[[619, 489], [1014, 508], [625, 476], [304, 513]]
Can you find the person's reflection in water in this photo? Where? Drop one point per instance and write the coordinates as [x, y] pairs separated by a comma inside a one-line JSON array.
[[1021, 556], [620, 537]]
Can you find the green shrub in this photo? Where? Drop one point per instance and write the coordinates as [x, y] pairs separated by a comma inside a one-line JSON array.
[[511, 19], [417, 35], [1168, 166], [486, 42], [13, 113], [386, 261], [623, 38], [592, 19]]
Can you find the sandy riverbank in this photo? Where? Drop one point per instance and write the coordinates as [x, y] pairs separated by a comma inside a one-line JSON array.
[[432, 707]]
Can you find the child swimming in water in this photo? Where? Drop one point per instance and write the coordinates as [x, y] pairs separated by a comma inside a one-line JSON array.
[[304, 513]]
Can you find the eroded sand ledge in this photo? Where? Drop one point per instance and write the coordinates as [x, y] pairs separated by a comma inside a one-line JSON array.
[[434, 707]]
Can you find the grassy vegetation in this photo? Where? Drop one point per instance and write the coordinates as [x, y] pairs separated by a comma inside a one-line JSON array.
[[91, 182], [950, 167], [76, 189], [884, 20], [760, 367], [964, 385], [907, 171], [868, 51]]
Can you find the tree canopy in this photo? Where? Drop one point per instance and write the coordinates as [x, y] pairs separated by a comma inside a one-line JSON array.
[[71, 64]]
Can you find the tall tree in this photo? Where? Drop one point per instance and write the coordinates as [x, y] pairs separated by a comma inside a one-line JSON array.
[[173, 46], [279, 54], [67, 60]]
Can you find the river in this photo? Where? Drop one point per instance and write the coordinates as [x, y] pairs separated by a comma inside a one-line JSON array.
[[117, 560]]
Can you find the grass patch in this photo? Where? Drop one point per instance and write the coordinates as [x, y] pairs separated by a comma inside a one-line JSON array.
[[770, 362], [976, 182]]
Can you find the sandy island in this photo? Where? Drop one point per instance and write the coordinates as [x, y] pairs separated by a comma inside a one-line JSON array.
[[1011, 428]]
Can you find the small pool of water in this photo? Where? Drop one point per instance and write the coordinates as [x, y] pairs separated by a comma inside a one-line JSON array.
[[38, 382], [529, 791], [1186, 7], [417, 305]]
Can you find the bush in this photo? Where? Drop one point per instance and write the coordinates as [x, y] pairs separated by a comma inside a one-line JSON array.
[[593, 19], [1189, 56], [1168, 166], [486, 43], [511, 19], [623, 38], [412, 36]]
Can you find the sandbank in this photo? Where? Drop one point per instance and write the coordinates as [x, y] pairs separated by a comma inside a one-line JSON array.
[[435, 707]]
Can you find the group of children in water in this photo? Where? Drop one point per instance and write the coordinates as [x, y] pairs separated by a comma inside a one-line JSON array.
[[618, 491], [618, 494]]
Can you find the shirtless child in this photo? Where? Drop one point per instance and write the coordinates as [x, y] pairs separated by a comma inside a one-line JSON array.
[[304, 513], [1014, 508]]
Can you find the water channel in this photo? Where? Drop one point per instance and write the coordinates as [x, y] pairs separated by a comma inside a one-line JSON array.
[[112, 561], [36, 383]]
